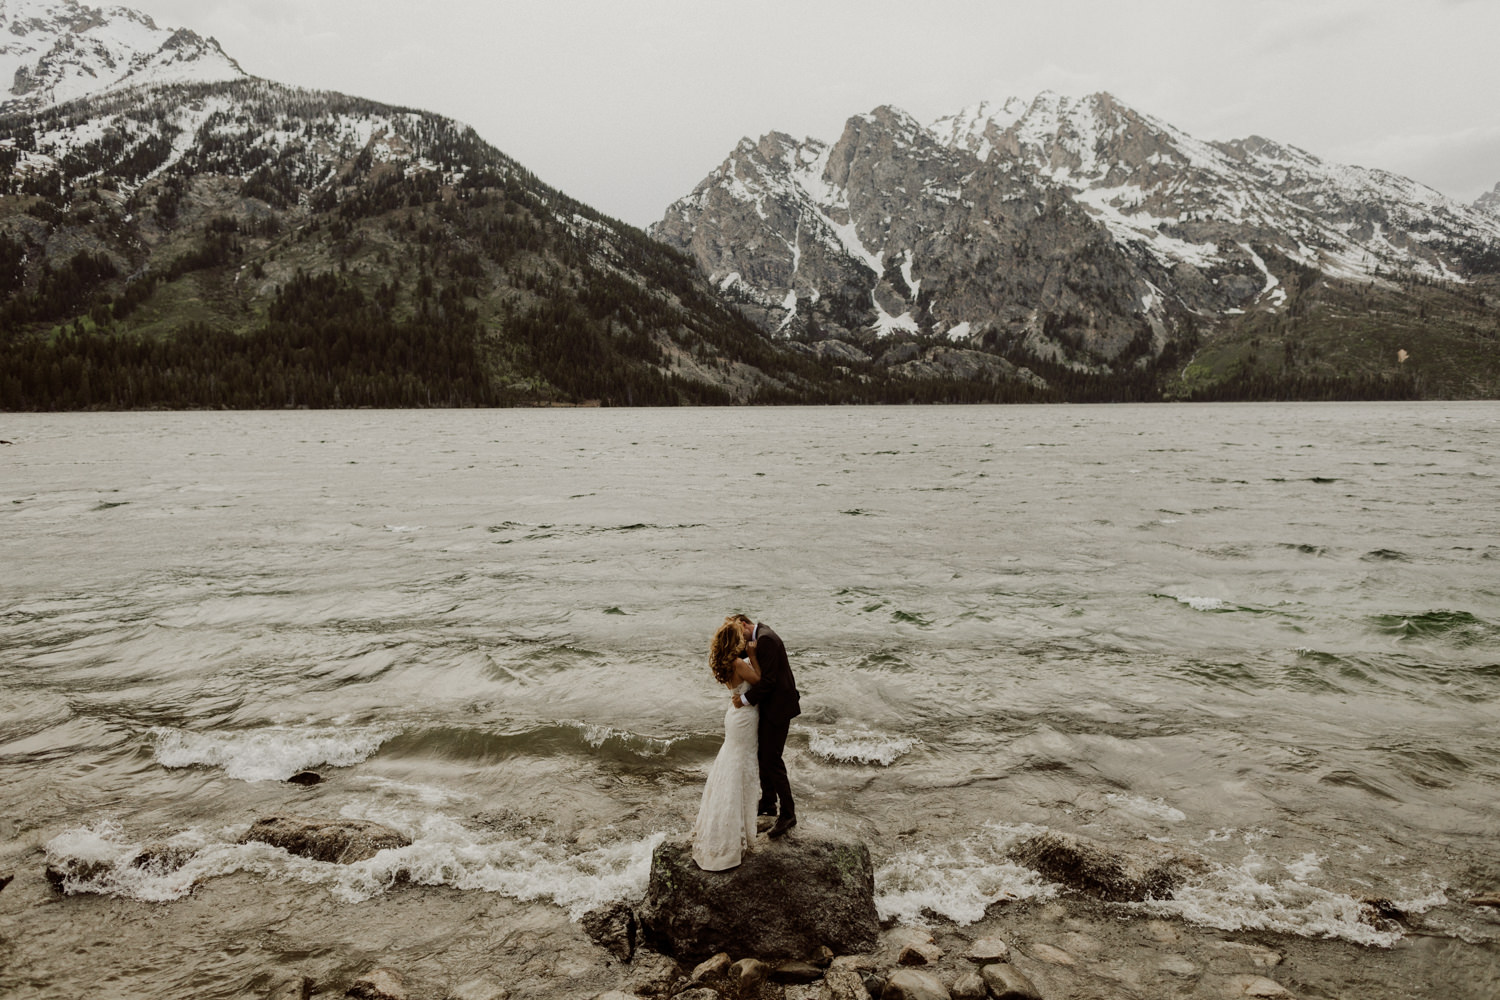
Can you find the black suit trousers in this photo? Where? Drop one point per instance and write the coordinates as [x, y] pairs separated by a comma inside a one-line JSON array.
[[774, 784]]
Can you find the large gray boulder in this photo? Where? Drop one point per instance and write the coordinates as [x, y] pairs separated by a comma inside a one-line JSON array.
[[784, 900], [340, 841], [1140, 872]]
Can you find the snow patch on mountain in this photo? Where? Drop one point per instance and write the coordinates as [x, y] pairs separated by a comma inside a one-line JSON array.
[[55, 51]]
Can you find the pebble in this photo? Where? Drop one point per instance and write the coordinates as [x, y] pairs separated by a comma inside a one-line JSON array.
[[796, 972], [969, 986], [1006, 982], [716, 966], [1257, 986], [909, 984], [749, 973], [845, 983], [988, 950]]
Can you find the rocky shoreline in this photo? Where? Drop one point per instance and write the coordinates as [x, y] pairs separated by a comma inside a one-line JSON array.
[[797, 921]]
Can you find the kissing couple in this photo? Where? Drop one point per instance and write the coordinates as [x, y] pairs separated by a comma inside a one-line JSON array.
[[748, 778]]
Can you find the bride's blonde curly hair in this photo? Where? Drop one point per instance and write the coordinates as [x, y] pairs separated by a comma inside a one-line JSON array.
[[726, 647]]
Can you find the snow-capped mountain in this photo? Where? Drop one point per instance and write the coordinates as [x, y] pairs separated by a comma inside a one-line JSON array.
[[1079, 229], [53, 51], [213, 239]]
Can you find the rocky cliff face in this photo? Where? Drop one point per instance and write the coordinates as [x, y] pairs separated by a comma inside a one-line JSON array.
[[1077, 231], [1489, 201]]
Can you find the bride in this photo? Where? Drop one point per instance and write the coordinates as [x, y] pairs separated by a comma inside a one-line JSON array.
[[725, 829]]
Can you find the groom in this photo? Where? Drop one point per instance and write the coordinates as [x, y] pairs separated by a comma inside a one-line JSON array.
[[776, 696]]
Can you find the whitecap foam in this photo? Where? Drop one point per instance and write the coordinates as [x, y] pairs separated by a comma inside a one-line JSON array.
[[100, 858], [597, 736], [1233, 898], [861, 747], [1156, 809], [1203, 603], [442, 853], [958, 881], [273, 754]]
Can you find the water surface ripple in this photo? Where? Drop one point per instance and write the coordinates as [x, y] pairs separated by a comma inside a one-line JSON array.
[[1269, 635]]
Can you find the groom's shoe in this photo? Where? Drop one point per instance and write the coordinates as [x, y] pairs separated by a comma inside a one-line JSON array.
[[783, 824]]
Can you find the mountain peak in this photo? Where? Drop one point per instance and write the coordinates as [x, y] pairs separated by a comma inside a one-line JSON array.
[[1489, 201], [55, 51]]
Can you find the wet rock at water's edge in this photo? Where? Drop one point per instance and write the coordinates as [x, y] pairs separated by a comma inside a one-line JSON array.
[[379, 984], [340, 841], [69, 875], [5, 880], [1143, 871], [305, 778], [160, 858], [909, 984], [784, 901], [1006, 982], [612, 928]]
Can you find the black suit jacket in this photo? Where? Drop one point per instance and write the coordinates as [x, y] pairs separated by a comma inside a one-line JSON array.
[[776, 695]]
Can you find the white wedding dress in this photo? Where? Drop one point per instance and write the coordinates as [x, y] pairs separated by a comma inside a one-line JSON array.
[[726, 817]]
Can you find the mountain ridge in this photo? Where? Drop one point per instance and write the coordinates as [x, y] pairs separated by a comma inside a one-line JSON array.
[[1077, 231], [179, 234], [171, 241]]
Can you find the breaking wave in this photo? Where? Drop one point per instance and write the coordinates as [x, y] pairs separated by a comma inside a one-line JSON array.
[[102, 859], [273, 754], [860, 747]]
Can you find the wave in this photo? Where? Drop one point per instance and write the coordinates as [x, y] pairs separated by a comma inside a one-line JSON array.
[[1153, 809], [566, 738], [1237, 898], [26, 713], [101, 859], [961, 880], [861, 747], [958, 881], [273, 754], [1202, 603], [1459, 627]]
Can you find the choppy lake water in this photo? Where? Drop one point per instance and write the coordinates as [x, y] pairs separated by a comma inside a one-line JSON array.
[[1265, 634]]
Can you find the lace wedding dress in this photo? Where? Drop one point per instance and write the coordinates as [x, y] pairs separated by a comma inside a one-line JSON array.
[[726, 817]]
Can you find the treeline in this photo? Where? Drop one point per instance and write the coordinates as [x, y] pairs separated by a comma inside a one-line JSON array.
[[1271, 387], [325, 344]]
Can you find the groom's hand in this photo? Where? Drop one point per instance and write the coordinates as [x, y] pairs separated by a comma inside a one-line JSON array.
[[738, 702]]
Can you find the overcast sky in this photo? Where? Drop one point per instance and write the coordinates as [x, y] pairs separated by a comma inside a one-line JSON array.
[[627, 104]]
